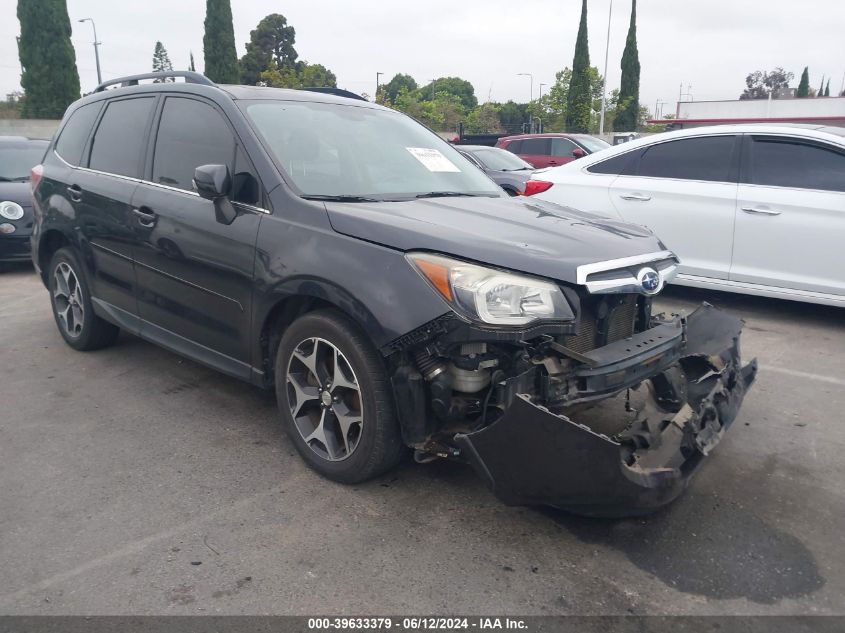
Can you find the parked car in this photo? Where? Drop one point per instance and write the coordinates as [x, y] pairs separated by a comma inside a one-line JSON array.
[[757, 209], [393, 296], [508, 171], [18, 155], [549, 150]]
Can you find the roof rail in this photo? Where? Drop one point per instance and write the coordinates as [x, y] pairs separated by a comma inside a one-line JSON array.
[[132, 80], [338, 92]]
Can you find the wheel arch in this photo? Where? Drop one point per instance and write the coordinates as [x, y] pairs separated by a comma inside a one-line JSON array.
[[49, 242], [295, 300]]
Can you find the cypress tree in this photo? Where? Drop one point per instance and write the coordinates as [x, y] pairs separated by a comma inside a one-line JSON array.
[[161, 61], [820, 93], [629, 93], [218, 43], [827, 89], [579, 102], [192, 67], [50, 79], [804, 84]]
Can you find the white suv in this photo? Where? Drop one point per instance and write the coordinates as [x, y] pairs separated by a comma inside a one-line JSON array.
[[758, 209]]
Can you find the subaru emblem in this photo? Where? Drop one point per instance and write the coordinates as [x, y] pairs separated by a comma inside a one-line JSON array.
[[649, 280]]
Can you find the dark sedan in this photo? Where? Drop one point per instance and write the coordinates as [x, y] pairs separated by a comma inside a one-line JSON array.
[[17, 157], [507, 170]]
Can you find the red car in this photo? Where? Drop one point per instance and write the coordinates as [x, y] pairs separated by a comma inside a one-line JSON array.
[[548, 150]]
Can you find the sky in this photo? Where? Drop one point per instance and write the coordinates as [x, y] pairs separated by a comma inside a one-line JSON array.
[[709, 46]]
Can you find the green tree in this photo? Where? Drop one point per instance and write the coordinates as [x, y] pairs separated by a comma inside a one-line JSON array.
[[192, 67], [629, 92], [392, 87], [483, 120], [804, 84], [579, 99], [300, 75], [456, 86], [270, 46], [554, 104], [161, 61], [820, 92], [827, 89], [218, 43], [760, 84], [425, 112], [50, 79], [449, 110]]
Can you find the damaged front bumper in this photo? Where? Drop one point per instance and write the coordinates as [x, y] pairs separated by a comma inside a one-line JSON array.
[[539, 452]]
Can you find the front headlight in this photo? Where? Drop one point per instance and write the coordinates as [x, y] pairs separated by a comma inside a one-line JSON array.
[[11, 210], [489, 295]]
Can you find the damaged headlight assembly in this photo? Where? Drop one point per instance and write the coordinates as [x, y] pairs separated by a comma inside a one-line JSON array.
[[492, 296]]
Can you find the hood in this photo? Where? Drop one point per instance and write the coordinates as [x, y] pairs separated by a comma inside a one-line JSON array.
[[16, 192], [521, 234]]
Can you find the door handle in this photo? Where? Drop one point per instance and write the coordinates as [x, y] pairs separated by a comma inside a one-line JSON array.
[[146, 217], [637, 197], [75, 193], [760, 210]]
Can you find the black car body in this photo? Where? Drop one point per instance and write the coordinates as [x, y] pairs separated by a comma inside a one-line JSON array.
[[507, 170], [389, 291], [17, 158]]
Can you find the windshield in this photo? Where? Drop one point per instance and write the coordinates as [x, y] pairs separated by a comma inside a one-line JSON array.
[[592, 143], [499, 159], [331, 150], [16, 162]]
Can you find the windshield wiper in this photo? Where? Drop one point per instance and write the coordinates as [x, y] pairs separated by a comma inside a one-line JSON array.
[[15, 179], [446, 194], [341, 198]]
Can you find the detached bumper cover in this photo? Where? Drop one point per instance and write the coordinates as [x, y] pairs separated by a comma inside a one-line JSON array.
[[532, 456]]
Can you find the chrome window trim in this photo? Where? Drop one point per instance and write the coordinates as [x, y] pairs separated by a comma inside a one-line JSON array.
[[628, 282], [141, 181]]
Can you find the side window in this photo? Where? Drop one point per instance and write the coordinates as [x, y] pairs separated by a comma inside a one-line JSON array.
[[71, 143], [706, 158], [784, 162], [121, 136], [622, 165], [190, 134], [536, 147], [562, 147], [514, 147]]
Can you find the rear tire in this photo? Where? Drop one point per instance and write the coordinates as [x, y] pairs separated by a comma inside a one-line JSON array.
[[335, 399], [70, 297]]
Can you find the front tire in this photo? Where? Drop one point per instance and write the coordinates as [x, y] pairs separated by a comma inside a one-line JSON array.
[[70, 297], [335, 399]]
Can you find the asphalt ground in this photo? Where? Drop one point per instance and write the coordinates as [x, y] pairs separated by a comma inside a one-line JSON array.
[[133, 481]]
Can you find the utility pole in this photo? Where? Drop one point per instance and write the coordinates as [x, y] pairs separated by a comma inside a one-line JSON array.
[[604, 79], [375, 97], [96, 48], [540, 95]]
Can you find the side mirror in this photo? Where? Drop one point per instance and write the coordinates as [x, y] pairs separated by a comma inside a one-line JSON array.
[[214, 183], [578, 152]]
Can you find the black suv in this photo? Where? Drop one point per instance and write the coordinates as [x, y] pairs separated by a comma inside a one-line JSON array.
[[392, 295]]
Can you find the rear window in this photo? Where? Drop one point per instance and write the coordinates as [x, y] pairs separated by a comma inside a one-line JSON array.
[[121, 136], [621, 165], [75, 133], [16, 160]]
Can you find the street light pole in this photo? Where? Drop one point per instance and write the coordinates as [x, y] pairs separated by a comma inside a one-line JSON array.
[[96, 48], [375, 98], [540, 95], [604, 79], [531, 77]]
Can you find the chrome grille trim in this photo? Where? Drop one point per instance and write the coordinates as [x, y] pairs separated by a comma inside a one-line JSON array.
[[665, 263]]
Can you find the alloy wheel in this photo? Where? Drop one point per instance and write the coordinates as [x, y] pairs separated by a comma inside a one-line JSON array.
[[67, 298], [325, 399]]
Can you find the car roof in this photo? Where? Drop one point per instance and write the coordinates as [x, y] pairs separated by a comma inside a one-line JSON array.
[[822, 132], [543, 135], [475, 148]]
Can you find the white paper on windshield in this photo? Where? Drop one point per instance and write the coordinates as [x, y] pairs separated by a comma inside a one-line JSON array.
[[432, 159]]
